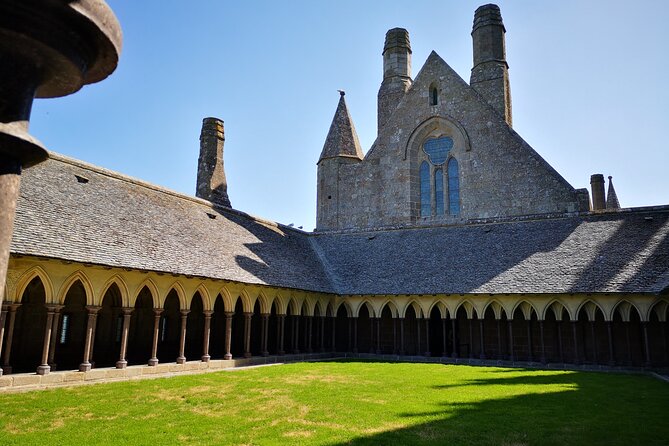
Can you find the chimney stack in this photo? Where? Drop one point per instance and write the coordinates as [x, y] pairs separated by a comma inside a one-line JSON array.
[[490, 74], [396, 73], [211, 182], [598, 197]]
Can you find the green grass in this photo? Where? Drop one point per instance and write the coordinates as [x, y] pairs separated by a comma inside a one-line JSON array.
[[349, 403]]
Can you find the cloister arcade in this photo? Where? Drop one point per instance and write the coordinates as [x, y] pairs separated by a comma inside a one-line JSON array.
[[60, 315]]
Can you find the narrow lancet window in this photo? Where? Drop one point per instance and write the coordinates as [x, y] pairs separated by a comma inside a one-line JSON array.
[[425, 190], [453, 187], [434, 95], [439, 192]]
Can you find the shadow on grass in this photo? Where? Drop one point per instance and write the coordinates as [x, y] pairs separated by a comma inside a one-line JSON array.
[[560, 408]]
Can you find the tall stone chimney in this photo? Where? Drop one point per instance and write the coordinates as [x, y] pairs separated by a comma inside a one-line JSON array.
[[490, 74], [396, 73], [598, 197], [211, 182]]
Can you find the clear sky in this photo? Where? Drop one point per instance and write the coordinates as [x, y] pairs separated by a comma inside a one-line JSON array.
[[588, 83]]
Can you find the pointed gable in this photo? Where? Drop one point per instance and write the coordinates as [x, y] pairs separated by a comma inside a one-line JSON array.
[[342, 139]]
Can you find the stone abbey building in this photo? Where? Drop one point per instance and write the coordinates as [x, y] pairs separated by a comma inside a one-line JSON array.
[[450, 238]]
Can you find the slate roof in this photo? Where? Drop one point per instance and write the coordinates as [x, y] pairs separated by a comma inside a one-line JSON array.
[[342, 139], [117, 221]]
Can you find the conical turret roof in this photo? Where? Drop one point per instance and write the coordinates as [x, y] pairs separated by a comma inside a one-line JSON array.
[[611, 197], [342, 140]]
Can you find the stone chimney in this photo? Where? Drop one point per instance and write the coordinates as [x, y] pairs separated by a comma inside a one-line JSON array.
[[396, 73], [490, 73], [598, 197], [211, 182]]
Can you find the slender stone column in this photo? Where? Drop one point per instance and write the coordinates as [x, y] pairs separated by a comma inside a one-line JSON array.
[[454, 354], [310, 321], [470, 322], [664, 340], [499, 339], [402, 352], [334, 326], [247, 334], [279, 326], [92, 349], [543, 345], [6, 366], [394, 336], [560, 350], [350, 336], [85, 365], [646, 345], [355, 334], [156, 334], [122, 362], [322, 327], [296, 335], [417, 336], [45, 368], [228, 334], [207, 333], [482, 331], [612, 361], [573, 328], [264, 321], [3, 317], [378, 335], [444, 353], [181, 359], [629, 342], [511, 355], [529, 340], [54, 337], [427, 338], [594, 341]]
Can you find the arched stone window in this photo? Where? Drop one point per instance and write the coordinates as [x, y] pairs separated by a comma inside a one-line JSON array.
[[425, 190], [434, 94], [453, 187]]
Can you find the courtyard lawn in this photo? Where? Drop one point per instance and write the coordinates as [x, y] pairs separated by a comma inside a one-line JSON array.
[[355, 403]]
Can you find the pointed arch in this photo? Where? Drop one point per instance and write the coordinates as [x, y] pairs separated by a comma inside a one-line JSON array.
[[308, 307], [391, 306], [370, 308], [416, 308], [317, 305], [122, 287], [265, 304], [347, 307], [246, 301], [590, 307], [496, 308], [329, 310], [293, 306], [153, 290], [181, 294], [526, 309], [557, 307], [443, 311], [207, 304], [625, 307], [660, 308], [468, 307], [27, 277], [77, 276], [226, 297]]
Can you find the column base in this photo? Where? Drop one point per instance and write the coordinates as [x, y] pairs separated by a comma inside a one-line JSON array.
[[85, 367], [247, 354], [227, 356], [121, 364], [7, 370], [44, 369], [206, 358], [181, 360], [153, 362]]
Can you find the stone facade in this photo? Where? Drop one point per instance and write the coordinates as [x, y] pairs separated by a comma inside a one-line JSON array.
[[500, 174]]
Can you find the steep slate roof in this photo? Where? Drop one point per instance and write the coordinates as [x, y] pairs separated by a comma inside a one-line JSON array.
[[342, 139], [116, 221], [622, 252]]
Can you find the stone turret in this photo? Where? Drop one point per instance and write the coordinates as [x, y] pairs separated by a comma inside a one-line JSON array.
[[211, 182], [490, 73], [396, 73], [598, 196], [611, 196], [341, 148]]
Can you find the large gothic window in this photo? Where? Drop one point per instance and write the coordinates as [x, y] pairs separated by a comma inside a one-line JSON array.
[[439, 172]]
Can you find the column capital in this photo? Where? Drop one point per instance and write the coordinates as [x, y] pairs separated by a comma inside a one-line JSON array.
[[248, 314], [93, 309], [127, 310], [229, 313], [184, 313], [12, 306], [208, 313], [54, 308], [158, 311], [264, 314]]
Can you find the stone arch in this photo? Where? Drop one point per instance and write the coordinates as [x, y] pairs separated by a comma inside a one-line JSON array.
[[81, 277], [181, 294], [122, 287], [416, 308], [496, 308], [468, 307], [308, 307], [226, 297], [318, 306], [434, 124], [391, 306], [27, 277], [557, 307], [590, 308], [443, 311], [265, 303], [293, 306], [660, 308], [370, 308], [624, 306], [347, 307], [526, 309], [153, 290], [207, 305]]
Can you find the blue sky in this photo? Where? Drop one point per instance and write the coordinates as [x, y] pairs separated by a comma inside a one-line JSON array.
[[588, 82]]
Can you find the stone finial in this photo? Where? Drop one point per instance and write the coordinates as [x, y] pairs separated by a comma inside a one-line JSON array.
[[342, 139], [490, 73], [597, 186], [396, 73], [211, 182], [611, 196]]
